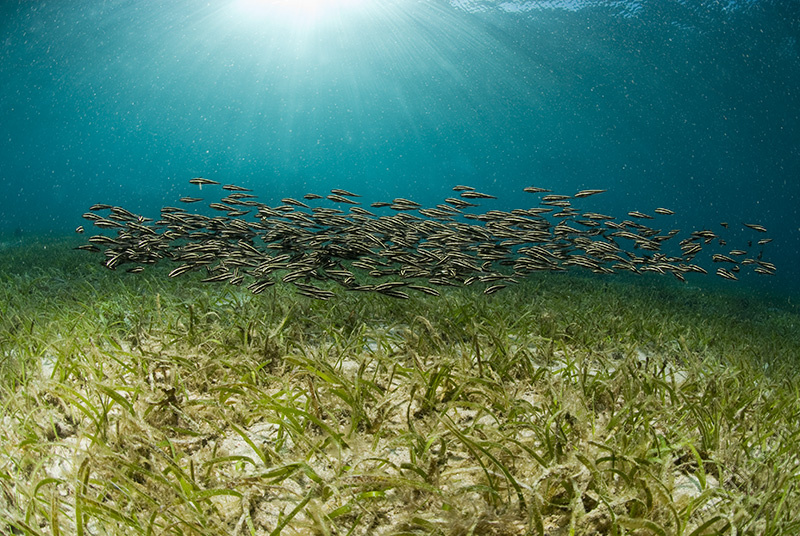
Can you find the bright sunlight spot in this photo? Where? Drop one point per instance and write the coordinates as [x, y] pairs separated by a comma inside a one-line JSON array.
[[296, 11]]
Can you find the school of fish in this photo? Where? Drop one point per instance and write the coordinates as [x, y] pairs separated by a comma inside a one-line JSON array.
[[401, 246]]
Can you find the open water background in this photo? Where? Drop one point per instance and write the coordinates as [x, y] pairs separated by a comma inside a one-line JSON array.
[[691, 105]]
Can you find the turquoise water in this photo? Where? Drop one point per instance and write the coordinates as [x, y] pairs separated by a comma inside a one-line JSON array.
[[688, 105]]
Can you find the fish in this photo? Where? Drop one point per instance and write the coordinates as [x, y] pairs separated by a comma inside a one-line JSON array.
[[260, 286], [200, 182], [426, 290], [234, 188], [182, 269], [535, 190], [587, 193], [405, 202], [337, 191], [224, 276], [295, 202], [459, 203], [755, 227], [493, 289], [361, 212], [555, 197], [107, 240], [394, 293], [415, 248], [722, 258], [596, 216], [469, 194], [311, 291], [107, 224], [641, 215], [664, 211], [336, 198]]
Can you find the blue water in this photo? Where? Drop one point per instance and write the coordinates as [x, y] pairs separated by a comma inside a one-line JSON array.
[[690, 105]]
